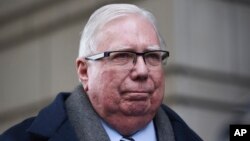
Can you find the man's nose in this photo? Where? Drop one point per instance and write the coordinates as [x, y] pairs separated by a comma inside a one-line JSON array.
[[140, 69]]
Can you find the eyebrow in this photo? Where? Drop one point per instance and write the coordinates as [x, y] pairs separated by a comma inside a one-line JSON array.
[[152, 47], [131, 48]]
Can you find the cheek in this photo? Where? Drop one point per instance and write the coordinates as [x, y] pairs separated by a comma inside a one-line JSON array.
[[104, 88], [112, 79], [103, 79], [158, 79], [159, 82]]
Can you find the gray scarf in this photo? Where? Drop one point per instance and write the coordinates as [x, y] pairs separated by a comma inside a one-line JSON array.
[[87, 123]]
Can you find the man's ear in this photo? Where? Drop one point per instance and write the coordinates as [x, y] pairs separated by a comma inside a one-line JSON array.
[[82, 71]]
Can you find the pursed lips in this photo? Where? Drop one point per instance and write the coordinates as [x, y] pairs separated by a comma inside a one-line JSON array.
[[137, 95]]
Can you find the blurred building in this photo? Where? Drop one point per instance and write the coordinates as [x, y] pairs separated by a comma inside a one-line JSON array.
[[208, 73]]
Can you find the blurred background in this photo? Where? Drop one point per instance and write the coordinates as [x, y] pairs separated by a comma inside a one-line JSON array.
[[208, 73]]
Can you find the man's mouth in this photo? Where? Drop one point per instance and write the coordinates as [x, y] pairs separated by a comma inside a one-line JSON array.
[[136, 95]]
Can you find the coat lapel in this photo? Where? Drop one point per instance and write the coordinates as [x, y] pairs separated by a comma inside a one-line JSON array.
[[65, 133], [52, 122]]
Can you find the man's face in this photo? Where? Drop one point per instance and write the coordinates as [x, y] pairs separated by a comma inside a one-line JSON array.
[[125, 92]]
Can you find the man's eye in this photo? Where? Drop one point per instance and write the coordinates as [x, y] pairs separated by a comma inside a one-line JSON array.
[[121, 56], [154, 56]]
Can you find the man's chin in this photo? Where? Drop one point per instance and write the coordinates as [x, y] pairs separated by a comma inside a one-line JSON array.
[[136, 108]]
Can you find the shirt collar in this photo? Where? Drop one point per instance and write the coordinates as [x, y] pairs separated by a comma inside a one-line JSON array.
[[146, 134]]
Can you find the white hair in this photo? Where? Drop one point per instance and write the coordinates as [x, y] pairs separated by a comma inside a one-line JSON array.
[[105, 14]]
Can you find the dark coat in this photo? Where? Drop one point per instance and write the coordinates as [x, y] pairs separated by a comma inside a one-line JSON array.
[[52, 124]]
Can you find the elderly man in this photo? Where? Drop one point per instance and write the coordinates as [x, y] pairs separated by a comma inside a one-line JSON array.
[[120, 66]]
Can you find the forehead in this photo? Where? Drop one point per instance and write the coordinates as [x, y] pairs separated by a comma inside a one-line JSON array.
[[130, 31]]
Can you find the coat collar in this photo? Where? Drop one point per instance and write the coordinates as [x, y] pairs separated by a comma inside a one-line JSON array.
[[52, 122]]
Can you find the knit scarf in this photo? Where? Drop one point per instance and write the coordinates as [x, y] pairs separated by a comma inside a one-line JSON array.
[[87, 123]]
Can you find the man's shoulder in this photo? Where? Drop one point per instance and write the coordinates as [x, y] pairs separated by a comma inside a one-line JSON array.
[[181, 130], [44, 124], [18, 132]]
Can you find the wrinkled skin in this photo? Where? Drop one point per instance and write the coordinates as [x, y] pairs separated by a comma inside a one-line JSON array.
[[128, 98]]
